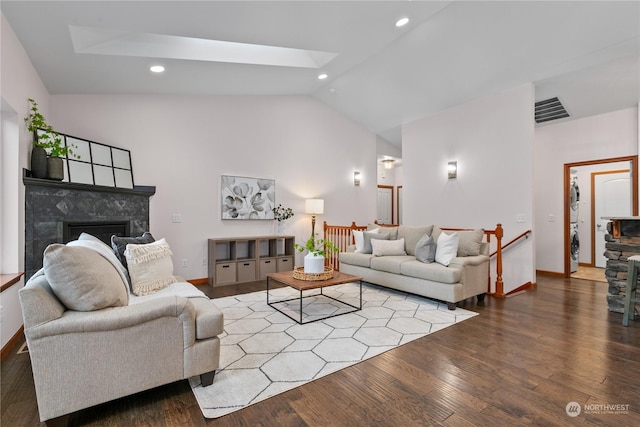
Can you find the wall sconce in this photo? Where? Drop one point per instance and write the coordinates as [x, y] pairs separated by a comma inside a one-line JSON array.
[[356, 178], [452, 169], [314, 207]]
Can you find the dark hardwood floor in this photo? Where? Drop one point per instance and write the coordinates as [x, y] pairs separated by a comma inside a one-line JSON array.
[[520, 362]]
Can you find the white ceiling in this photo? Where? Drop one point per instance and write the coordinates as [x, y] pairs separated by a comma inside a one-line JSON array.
[[586, 53]]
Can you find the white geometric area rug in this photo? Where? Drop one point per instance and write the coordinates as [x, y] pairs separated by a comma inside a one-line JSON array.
[[264, 353]]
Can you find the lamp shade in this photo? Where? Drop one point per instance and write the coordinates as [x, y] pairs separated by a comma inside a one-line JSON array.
[[314, 206]]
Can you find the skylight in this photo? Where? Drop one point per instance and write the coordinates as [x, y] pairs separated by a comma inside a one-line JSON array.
[[102, 41]]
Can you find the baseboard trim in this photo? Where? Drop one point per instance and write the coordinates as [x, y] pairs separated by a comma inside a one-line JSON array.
[[12, 343], [550, 273], [529, 286]]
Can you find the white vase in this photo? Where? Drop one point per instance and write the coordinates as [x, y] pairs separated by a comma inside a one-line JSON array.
[[313, 264], [280, 228]]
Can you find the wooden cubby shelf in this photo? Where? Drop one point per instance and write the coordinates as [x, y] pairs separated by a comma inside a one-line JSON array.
[[247, 259]]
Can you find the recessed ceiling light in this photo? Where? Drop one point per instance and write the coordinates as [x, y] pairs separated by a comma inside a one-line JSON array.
[[157, 69], [402, 22], [322, 76]]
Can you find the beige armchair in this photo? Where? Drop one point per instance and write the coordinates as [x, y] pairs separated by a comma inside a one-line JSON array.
[[84, 358]]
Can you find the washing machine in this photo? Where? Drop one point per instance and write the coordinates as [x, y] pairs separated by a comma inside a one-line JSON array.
[[574, 242], [574, 198]]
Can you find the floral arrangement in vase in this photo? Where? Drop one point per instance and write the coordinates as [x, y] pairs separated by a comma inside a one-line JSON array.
[[280, 213]]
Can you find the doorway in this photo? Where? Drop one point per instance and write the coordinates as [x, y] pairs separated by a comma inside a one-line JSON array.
[[588, 219], [385, 204]]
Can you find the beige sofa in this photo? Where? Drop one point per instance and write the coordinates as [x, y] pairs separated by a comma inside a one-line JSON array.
[[465, 276], [83, 354]]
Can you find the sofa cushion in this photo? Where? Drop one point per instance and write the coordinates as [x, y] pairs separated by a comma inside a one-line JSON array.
[[390, 264], [426, 249], [446, 248], [119, 244], [433, 271], [150, 266], [391, 231], [354, 258], [358, 238], [412, 236], [82, 279], [388, 247], [368, 237], [469, 242]]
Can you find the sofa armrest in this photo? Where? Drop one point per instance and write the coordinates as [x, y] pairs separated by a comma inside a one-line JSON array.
[[460, 262], [114, 318]]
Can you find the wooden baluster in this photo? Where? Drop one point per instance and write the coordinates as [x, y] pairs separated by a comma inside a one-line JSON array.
[[499, 285]]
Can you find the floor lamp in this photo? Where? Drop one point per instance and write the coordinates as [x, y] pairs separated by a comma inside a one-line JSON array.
[[314, 207]]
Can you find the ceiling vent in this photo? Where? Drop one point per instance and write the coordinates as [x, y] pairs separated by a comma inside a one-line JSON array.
[[550, 109]]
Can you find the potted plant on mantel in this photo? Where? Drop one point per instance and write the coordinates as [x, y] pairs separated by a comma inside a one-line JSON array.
[[318, 248], [48, 148]]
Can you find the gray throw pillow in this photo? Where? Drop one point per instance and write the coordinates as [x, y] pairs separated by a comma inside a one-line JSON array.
[[426, 249], [82, 279], [412, 235], [469, 242], [367, 240], [119, 244]]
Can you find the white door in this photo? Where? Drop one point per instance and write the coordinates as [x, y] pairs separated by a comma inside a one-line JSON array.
[[612, 194], [385, 205]]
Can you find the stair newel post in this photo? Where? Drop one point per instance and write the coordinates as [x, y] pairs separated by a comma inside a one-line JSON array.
[[499, 284]]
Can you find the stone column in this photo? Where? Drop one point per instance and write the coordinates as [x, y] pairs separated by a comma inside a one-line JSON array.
[[622, 241]]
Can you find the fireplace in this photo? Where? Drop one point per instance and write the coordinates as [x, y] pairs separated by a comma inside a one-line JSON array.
[[103, 230], [57, 212]]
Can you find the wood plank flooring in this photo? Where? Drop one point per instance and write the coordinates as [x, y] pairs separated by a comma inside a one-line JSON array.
[[520, 362]]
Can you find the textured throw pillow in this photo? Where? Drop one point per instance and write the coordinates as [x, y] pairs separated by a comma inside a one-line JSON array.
[[150, 266], [388, 247], [446, 248], [82, 279], [368, 237], [119, 244], [426, 249], [358, 237], [469, 242]]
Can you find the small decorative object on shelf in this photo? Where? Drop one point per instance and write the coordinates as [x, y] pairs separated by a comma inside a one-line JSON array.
[[314, 260], [281, 214]]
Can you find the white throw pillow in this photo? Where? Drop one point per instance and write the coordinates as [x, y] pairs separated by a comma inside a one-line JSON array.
[[358, 237], [388, 247], [150, 266], [446, 248]]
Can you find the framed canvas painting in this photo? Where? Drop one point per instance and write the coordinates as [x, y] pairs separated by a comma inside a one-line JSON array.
[[247, 198]]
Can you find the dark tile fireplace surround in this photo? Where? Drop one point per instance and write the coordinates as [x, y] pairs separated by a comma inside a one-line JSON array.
[[57, 212]]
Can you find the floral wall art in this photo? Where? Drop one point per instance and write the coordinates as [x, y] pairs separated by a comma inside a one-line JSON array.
[[247, 198]]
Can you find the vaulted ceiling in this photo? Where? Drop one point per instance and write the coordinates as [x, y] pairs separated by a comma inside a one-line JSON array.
[[584, 52]]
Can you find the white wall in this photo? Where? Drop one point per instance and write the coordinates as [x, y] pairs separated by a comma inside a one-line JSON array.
[[604, 136], [18, 81], [491, 139], [183, 144]]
